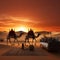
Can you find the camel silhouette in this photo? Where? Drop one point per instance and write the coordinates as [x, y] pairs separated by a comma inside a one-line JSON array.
[[12, 35], [31, 35]]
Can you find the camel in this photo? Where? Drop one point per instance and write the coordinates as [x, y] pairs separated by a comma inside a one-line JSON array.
[[12, 35], [31, 35]]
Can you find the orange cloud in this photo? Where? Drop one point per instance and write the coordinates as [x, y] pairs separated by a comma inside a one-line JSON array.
[[7, 22]]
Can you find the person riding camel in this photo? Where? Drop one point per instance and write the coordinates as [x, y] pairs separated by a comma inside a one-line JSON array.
[[12, 33], [31, 33]]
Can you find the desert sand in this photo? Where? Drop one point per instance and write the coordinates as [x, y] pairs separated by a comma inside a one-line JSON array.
[[14, 52]]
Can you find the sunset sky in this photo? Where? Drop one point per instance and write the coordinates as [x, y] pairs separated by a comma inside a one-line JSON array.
[[24, 14]]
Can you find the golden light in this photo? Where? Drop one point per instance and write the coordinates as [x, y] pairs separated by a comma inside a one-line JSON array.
[[22, 28]]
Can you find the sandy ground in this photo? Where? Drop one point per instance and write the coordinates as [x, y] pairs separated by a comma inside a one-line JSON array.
[[16, 53]]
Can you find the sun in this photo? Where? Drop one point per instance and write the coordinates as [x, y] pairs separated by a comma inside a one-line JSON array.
[[22, 28]]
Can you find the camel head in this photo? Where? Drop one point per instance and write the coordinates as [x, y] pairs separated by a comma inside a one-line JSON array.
[[38, 35]]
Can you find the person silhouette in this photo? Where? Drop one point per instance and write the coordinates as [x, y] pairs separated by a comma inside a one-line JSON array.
[[31, 33], [12, 33], [22, 46]]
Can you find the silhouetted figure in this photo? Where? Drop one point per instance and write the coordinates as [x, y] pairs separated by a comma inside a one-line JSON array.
[[31, 48], [23, 46], [31, 34], [11, 35]]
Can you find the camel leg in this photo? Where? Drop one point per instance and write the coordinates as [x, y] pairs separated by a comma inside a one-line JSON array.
[[35, 42], [8, 40], [32, 41], [25, 41], [16, 40], [28, 41]]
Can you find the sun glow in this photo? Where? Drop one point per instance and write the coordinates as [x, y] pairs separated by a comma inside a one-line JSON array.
[[22, 28]]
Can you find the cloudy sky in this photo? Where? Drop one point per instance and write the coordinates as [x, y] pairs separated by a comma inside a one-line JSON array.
[[35, 14]]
